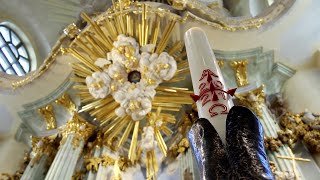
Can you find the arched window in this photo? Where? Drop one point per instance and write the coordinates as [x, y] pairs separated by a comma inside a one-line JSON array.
[[14, 57]]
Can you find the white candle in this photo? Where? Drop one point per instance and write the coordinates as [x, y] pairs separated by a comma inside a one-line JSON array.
[[210, 93]]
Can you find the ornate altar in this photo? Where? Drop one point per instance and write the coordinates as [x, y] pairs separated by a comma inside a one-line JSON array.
[[124, 110]]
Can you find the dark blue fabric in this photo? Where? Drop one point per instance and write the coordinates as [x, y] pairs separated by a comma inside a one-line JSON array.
[[209, 151], [243, 157], [245, 145]]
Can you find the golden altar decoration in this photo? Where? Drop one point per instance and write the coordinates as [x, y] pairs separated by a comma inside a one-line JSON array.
[[129, 56]]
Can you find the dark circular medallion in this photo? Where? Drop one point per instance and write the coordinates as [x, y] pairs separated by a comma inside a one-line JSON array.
[[134, 76]]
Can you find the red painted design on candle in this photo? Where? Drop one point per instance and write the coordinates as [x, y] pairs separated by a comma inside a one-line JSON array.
[[208, 73], [215, 106], [210, 91]]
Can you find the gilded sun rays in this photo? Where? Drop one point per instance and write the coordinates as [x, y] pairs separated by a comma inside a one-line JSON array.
[[120, 44]]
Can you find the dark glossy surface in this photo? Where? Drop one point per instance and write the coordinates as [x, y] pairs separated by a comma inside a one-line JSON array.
[[243, 157], [245, 145], [209, 151], [134, 76]]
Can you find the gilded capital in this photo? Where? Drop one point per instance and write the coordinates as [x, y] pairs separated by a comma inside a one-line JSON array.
[[79, 127], [240, 70], [48, 115]]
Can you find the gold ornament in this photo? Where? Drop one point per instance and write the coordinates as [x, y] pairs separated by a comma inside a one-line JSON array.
[[107, 160], [295, 128], [92, 164], [272, 143], [147, 25], [66, 101], [116, 171], [220, 63], [253, 100], [79, 128], [49, 117], [44, 145], [240, 70], [71, 30]]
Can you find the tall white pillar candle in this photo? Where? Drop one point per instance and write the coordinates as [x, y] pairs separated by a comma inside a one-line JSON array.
[[210, 93]]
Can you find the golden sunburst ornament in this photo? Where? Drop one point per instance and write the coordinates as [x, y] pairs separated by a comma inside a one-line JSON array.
[[128, 62]]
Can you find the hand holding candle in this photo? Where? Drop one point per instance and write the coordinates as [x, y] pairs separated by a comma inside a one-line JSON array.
[[210, 93]]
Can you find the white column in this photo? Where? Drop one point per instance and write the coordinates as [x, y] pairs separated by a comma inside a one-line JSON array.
[[255, 100], [106, 172], [36, 171], [92, 175], [187, 162], [271, 128], [65, 162]]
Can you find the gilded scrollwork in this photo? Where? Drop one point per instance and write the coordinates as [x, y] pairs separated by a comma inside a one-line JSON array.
[[93, 163], [271, 143], [179, 148], [51, 58], [48, 115], [43, 145], [240, 69], [297, 126], [107, 160], [123, 162], [215, 20], [208, 15], [66, 102], [178, 5]]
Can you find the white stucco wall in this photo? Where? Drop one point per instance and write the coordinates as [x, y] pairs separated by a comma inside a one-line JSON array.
[[25, 18], [303, 91]]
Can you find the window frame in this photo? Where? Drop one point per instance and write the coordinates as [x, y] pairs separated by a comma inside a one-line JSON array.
[[14, 56]]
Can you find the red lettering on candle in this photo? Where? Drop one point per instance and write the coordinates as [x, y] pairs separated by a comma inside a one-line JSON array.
[[210, 91]]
